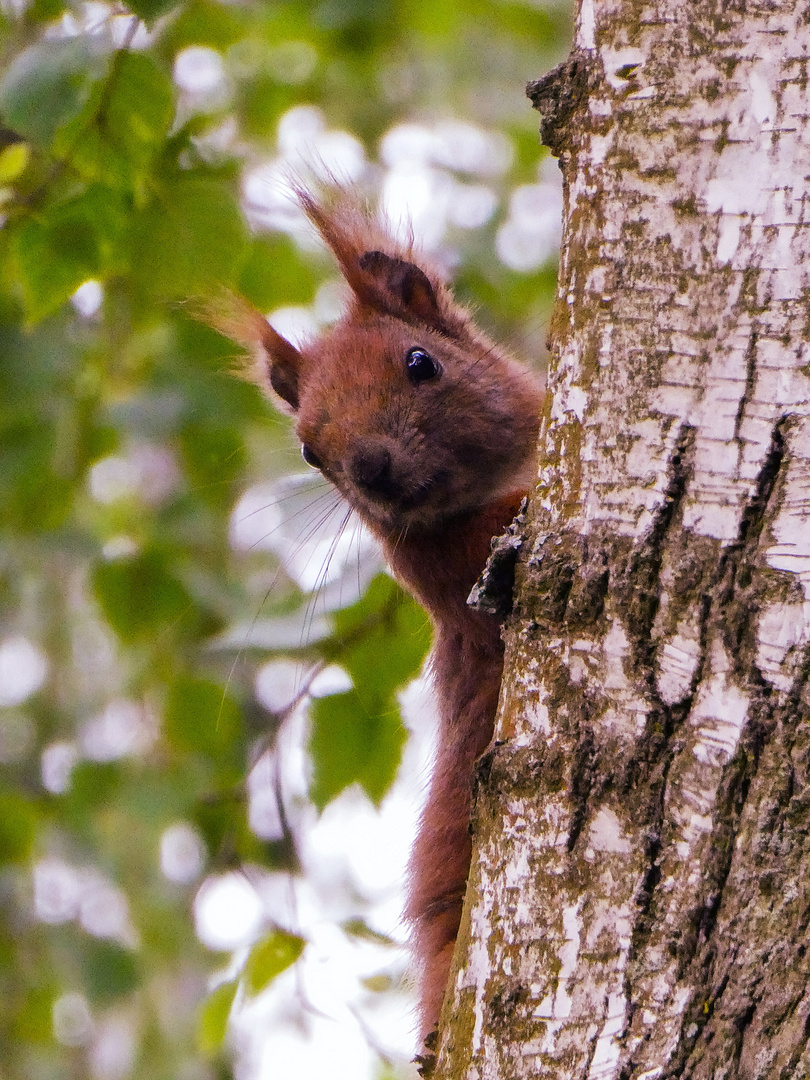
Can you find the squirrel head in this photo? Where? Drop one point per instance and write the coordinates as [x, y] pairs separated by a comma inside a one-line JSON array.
[[404, 405]]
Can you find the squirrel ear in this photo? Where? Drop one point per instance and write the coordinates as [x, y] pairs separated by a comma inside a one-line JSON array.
[[283, 365], [405, 283]]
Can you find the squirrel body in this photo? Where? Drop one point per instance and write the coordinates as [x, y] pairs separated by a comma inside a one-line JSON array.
[[428, 430]]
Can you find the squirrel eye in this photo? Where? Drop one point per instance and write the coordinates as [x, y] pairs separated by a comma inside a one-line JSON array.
[[310, 457], [421, 366]]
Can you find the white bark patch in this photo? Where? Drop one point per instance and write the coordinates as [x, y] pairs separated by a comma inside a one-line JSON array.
[[618, 64], [582, 660], [577, 402], [763, 103], [556, 1006], [780, 629], [720, 712], [525, 704], [503, 900], [537, 719], [586, 26], [595, 996], [626, 714], [606, 1055], [729, 239], [476, 972], [606, 834], [677, 662]]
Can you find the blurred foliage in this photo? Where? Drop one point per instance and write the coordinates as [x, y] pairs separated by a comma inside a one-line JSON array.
[[131, 628]]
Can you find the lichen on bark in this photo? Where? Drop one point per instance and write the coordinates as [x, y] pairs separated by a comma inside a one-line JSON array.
[[638, 902]]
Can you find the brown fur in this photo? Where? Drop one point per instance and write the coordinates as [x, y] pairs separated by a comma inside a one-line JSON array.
[[435, 469]]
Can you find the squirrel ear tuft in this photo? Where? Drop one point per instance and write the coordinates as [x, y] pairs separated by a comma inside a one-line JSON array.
[[407, 285], [275, 360], [382, 283]]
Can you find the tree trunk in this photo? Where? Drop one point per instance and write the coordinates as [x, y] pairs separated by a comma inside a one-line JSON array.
[[639, 899]]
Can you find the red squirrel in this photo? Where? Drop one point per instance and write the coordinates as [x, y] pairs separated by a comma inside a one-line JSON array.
[[428, 430]]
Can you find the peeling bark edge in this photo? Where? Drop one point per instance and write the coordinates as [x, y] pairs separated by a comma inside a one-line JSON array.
[[492, 593], [559, 94]]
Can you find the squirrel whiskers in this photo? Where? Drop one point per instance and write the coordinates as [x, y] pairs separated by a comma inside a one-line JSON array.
[[428, 430]]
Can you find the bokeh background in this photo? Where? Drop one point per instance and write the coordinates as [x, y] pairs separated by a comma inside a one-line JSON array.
[[214, 735]]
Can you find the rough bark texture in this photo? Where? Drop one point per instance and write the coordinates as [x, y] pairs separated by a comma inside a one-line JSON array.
[[639, 900]]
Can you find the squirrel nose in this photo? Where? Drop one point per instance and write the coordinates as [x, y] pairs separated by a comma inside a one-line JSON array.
[[370, 469]]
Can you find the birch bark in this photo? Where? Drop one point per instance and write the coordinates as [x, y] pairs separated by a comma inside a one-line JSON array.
[[639, 900]]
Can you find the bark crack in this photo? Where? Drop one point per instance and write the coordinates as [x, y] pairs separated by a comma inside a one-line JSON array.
[[642, 575], [750, 380]]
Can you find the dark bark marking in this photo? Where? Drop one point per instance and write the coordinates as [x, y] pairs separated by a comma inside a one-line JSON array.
[[732, 601], [754, 514], [641, 577], [552, 567], [586, 600], [750, 376], [581, 783], [507, 1002], [641, 582], [570, 578], [650, 878]]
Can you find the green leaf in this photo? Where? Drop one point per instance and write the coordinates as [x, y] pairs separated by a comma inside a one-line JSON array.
[[385, 638], [94, 783], [65, 245], [54, 256], [211, 23], [119, 133], [110, 971], [348, 745], [45, 10], [200, 716], [141, 104], [269, 957], [34, 1020], [48, 85], [190, 239], [18, 823], [213, 1021], [140, 596], [260, 280], [214, 456], [14, 161], [358, 928], [149, 10], [357, 737], [32, 495]]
